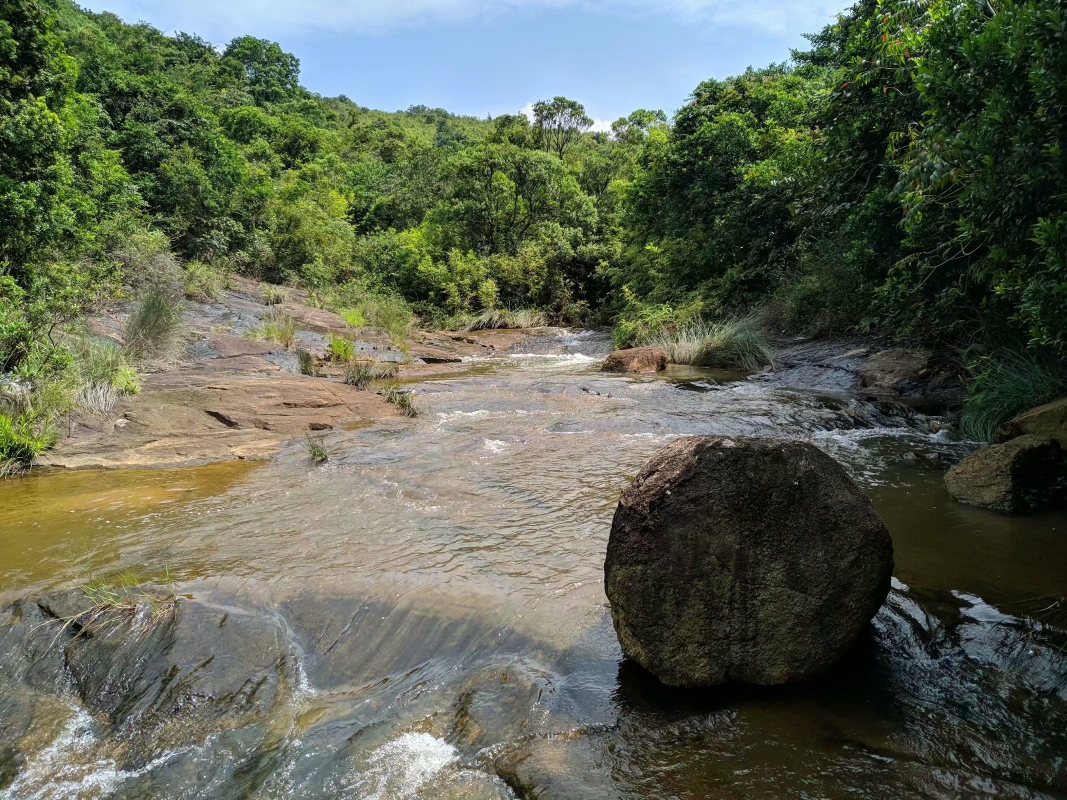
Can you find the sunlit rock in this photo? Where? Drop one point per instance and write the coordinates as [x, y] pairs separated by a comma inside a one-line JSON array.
[[744, 560]]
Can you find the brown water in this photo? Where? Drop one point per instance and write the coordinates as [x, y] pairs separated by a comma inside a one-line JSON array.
[[437, 592]]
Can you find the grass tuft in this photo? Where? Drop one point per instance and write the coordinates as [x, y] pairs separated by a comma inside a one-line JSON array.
[[274, 296], [1005, 384], [316, 449], [153, 327], [122, 598], [307, 363], [740, 343], [361, 373], [402, 399], [276, 326], [497, 318]]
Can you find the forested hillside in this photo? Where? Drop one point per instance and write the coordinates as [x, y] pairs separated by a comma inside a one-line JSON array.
[[905, 175]]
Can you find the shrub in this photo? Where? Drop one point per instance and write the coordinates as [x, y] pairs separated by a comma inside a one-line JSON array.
[[1005, 384], [152, 329], [402, 399], [341, 349], [359, 306], [316, 449], [203, 282], [353, 316], [360, 373], [22, 440], [739, 343], [389, 313]]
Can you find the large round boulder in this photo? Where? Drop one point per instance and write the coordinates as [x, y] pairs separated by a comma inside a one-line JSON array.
[[744, 560]]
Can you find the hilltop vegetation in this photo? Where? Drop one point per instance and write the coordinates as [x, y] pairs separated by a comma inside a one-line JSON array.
[[904, 175]]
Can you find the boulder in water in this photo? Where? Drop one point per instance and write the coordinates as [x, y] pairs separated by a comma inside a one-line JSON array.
[[1049, 421], [637, 359], [1021, 475], [744, 560]]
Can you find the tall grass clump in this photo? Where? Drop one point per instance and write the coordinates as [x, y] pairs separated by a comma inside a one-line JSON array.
[[740, 343], [153, 327], [402, 399], [316, 449], [1005, 384], [102, 374], [307, 363], [276, 326], [498, 318], [361, 373]]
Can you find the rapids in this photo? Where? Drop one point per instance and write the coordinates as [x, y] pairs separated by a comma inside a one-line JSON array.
[[427, 616]]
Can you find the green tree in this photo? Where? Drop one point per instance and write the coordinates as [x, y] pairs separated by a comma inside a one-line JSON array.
[[271, 74], [560, 123]]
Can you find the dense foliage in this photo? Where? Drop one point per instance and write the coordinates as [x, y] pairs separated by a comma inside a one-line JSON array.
[[905, 175]]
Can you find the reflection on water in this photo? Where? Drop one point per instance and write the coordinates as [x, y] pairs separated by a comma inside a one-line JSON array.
[[436, 593]]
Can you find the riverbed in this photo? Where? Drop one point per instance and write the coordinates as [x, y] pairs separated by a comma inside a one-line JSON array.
[[437, 625]]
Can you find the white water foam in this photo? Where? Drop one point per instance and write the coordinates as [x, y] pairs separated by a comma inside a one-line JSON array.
[[64, 771], [400, 768]]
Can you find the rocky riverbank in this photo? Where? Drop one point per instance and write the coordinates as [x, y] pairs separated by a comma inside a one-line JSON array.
[[231, 396]]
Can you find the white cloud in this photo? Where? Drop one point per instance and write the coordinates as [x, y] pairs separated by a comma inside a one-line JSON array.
[[280, 16]]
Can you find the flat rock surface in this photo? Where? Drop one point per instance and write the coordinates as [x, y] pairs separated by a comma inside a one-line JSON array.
[[192, 418]]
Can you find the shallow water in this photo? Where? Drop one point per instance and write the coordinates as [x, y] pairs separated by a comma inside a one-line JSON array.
[[436, 594]]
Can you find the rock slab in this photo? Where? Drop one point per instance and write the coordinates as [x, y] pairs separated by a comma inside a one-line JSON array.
[[637, 359], [1021, 475], [744, 560], [1049, 421]]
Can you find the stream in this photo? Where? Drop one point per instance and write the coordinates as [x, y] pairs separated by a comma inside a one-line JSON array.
[[424, 615]]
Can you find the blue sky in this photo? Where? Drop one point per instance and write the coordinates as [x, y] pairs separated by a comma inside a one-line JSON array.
[[496, 56]]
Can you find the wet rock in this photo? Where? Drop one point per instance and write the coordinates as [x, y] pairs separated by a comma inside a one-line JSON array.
[[637, 359], [1049, 421], [743, 560], [892, 369], [1021, 475]]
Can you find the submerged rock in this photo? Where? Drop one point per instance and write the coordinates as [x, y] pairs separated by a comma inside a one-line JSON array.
[[1021, 475], [891, 369], [744, 560], [1049, 421], [637, 359]]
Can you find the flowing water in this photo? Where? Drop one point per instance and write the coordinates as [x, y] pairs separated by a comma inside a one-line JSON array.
[[424, 616]]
